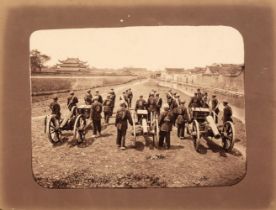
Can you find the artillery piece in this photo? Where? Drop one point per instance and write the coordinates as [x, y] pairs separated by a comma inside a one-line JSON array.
[[203, 125], [76, 121], [142, 126]]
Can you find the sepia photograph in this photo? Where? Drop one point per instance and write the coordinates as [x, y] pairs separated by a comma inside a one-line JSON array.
[[138, 107]]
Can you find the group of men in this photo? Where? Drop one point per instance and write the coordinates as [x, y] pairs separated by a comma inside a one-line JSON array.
[[127, 97], [98, 105], [174, 113], [201, 100]]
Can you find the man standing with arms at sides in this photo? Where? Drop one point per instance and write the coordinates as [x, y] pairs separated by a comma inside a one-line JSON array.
[[158, 104], [151, 105], [88, 98], [72, 100], [227, 112], [96, 110], [194, 101], [199, 94], [107, 108], [100, 98], [205, 100], [141, 104], [182, 119], [123, 116], [130, 96], [112, 98], [166, 120], [55, 110], [173, 106], [215, 109]]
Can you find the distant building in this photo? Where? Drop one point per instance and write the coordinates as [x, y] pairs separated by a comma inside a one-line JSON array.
[[72, 65], [175, 70]]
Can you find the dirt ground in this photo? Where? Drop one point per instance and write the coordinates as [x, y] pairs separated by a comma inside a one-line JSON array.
[[98, 162]]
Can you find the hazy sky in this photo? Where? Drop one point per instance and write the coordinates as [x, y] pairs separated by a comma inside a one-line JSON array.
[[154, 47]]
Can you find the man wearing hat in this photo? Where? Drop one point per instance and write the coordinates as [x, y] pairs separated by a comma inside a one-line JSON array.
[[165, 122], [169, 94], [95, 115], [227, 112], [158, 103], [215, 105], [129, 96], [205, 100], [122, 118], [124, 98], [151, 105], [199, 94], [194, 102], [88, 97], [182, 118], [100, 98], [72, 100], [55, 110], [141, 104], [112, 98], [107, 109], [171, 102]]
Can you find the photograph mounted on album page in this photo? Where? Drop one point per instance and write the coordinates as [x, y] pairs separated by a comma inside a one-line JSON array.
[[138, 107]]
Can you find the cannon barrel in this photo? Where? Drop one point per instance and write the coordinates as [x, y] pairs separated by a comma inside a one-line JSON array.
[[213, 126], [144, 126]]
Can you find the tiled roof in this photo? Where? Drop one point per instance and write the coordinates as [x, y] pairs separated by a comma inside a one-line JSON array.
[[72, 60]]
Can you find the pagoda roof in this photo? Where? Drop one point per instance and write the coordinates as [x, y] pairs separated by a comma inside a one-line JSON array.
[[72, 60]]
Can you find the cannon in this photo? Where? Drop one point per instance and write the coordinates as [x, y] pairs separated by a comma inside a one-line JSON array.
[[203, 125], [76, 121], [142, 126]]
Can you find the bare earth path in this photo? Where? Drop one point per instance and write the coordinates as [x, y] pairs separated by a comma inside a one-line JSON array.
[[98, 163]]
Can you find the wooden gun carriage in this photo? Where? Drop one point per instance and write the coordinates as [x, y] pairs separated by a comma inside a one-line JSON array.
[[203, 125], [144, 126], [75, 121]]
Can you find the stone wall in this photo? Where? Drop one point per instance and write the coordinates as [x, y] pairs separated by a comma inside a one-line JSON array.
[[231, 83]]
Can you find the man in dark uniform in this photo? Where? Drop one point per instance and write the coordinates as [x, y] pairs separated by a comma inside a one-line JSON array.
[[172, 103], [88, 98], [182, 119], [55, 110], [215, 108], [130, 97], [100, 98], [194, 101], [199, 94], [113, 98], [124, 98], [165, 123], [158, 103], [123, 116], [141, 104], [72, 100], [205, 100], [227, 112], [107, 108], [96, 110], [151, 105], [169, 95]]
